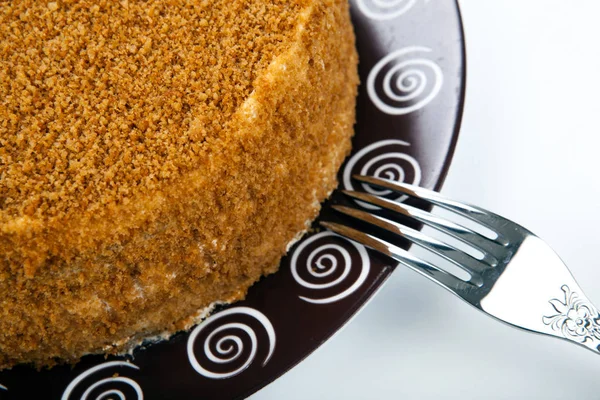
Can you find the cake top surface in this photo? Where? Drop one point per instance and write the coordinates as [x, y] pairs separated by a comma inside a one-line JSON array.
[[102, 100]]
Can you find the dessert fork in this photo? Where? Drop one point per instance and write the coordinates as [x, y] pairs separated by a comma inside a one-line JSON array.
[[517, 278]]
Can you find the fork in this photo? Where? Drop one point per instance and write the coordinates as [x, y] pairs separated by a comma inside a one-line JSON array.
[[517, 279]]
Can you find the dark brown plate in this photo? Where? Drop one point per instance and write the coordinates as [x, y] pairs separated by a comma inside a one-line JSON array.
[[412, 68]]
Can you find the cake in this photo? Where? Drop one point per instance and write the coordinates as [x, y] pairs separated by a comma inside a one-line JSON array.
[[157, 157]]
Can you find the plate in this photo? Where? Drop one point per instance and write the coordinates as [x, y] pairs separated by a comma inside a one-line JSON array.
[[412, 69]]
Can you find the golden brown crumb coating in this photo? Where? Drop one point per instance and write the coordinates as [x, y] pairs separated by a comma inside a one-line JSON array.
[[157, 156]]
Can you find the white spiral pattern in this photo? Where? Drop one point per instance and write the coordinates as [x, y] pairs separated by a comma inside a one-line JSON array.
[[405, 85], [114, 392], [389, 165], [230, 347], [382, 10], [337, 257]]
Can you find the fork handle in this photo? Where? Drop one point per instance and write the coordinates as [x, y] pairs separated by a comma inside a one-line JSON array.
[[575, 319]]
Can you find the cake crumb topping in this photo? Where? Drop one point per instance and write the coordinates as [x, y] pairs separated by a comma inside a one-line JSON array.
[[103, 100]]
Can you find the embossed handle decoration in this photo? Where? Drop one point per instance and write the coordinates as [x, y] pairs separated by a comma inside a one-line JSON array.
[[576, 319]]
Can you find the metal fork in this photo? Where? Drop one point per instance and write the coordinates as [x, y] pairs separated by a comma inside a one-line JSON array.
[[518, 279]]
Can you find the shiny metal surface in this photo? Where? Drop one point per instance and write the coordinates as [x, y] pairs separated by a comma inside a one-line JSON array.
[[518, 279]]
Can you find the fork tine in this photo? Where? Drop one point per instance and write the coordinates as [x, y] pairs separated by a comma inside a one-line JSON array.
[[461, 259], [424, 268], [477, 214], [488, 247]]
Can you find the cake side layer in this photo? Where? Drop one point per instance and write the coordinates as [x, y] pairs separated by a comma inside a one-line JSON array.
[[91, 282]]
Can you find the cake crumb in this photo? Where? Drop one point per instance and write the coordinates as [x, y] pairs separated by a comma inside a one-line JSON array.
[[98, 102]]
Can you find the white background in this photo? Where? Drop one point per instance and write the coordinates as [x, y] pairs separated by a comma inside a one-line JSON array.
[[529, 149]]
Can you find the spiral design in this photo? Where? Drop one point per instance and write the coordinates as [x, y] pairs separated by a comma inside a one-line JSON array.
[[110, 387], [384, 159], [225, 344], [326, 263], [401, 83], [382, 10]]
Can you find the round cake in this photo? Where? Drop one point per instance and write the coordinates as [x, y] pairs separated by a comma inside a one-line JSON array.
[[157, 157]]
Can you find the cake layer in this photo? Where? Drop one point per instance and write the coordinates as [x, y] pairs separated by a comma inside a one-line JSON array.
[[208, 164]]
